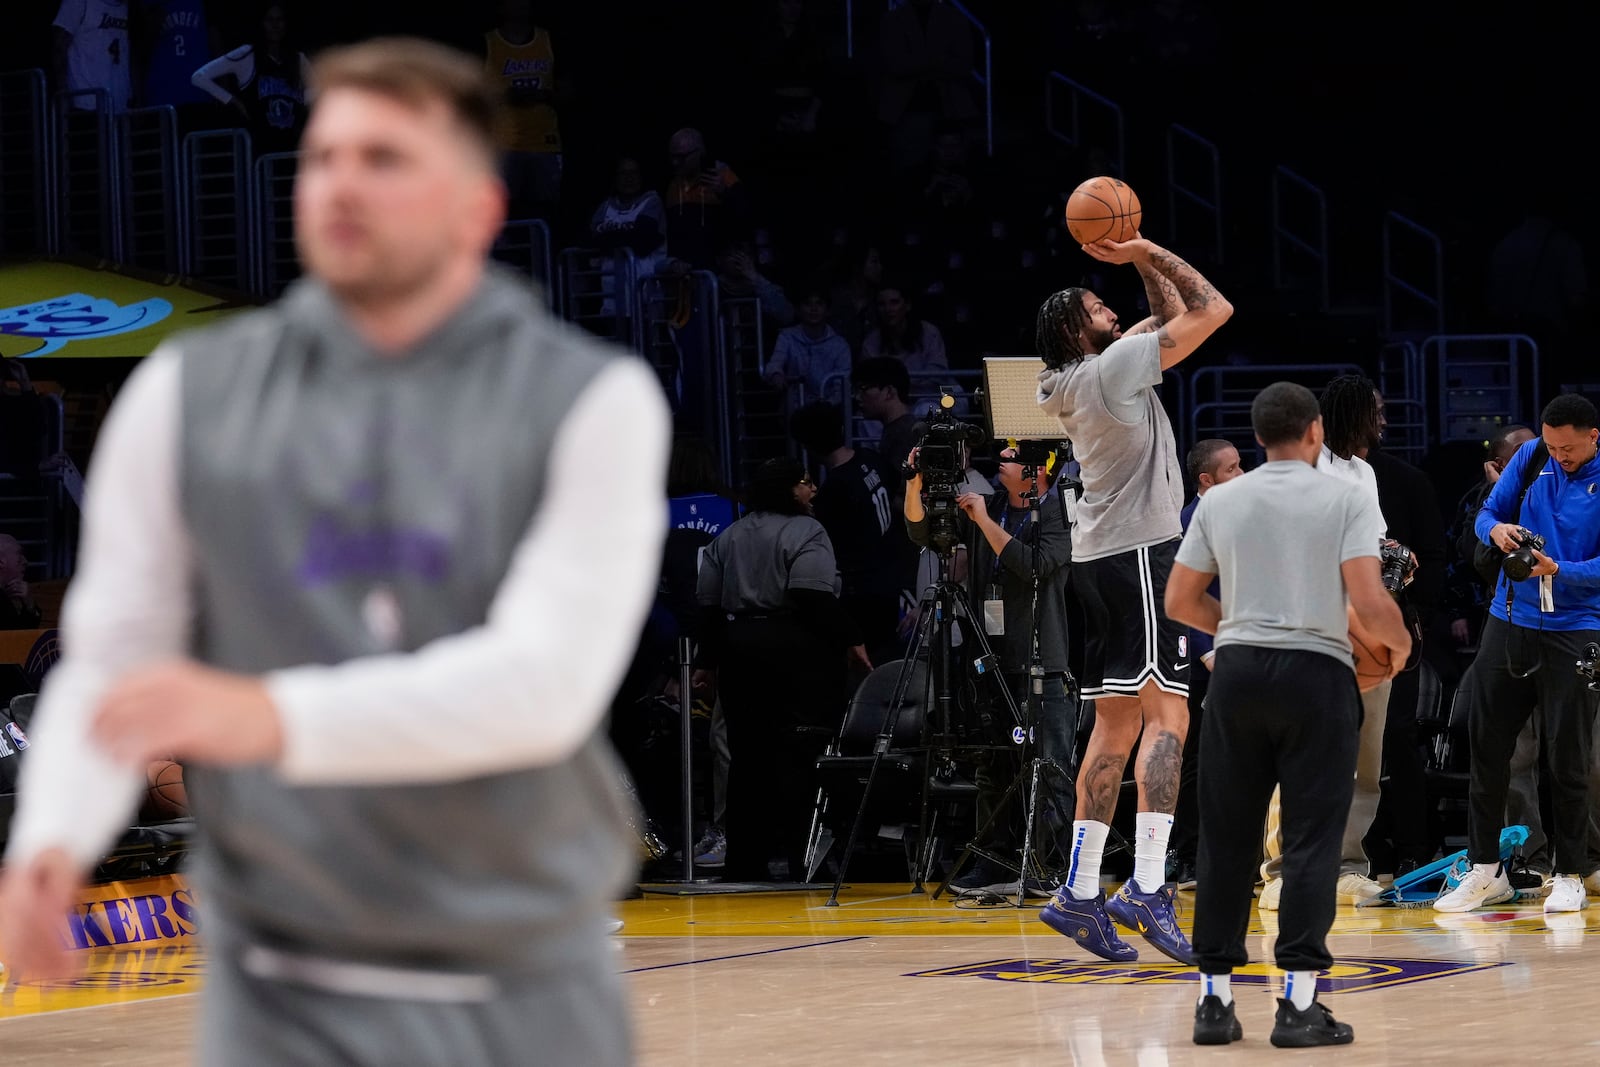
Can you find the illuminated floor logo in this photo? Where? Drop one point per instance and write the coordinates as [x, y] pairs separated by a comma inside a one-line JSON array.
[[1347, 976], [76, 317]]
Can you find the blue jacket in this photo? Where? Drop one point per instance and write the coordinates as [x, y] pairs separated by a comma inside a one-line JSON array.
[[1199, 640], [1564, 509]]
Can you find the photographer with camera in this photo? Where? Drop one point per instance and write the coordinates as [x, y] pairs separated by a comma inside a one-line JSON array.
[[1545, 614], [1001, 565]]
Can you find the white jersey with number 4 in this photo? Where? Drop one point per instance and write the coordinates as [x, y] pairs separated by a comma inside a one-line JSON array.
[[98, 57]]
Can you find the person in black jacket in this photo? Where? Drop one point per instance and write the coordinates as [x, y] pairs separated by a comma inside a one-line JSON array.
[[1398, 841], [778, 640]]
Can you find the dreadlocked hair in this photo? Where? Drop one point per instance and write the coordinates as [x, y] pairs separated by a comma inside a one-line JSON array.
[[1349, 414], [1061, 317]]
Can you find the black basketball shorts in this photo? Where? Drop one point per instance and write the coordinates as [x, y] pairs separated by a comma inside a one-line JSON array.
[[1128, 639]]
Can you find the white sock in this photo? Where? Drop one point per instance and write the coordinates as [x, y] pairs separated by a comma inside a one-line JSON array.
[[1217, 985], [1300, 988], [1150, 850], [1088, 848], [1490, 869]]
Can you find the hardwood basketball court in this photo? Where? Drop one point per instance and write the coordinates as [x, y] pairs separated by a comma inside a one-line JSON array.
[[888, 977]]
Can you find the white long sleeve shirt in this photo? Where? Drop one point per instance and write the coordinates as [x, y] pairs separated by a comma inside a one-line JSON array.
[[525, 689]]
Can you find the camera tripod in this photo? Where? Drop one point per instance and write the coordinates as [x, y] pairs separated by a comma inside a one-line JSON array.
[[938, 609], [1030, 776]]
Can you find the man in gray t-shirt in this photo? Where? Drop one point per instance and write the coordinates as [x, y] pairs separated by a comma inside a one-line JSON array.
[[1288, 546], [1100, 383]]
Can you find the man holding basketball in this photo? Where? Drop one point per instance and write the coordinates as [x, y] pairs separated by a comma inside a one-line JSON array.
[[1284, 707], [1100, 383]]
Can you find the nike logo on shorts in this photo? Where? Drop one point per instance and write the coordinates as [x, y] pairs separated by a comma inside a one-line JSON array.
[[1180, 666]]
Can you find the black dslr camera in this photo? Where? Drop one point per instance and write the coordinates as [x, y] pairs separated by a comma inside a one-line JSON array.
[[1399, 566], [1588, 665], [941, 459], [1519, 562]]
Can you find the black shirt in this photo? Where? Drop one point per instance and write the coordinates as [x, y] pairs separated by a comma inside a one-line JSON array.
[[855, 507]]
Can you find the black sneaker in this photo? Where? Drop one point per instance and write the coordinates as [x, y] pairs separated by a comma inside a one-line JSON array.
[[1215, 1023], [982, 875], [1308, 1029]]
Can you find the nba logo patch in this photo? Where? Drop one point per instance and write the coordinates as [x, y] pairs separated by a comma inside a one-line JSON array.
[[17, 735], [1183, 646]]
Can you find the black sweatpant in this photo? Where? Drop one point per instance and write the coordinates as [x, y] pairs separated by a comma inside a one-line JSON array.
[[1501, 705], [1280, 718], [782, 692]]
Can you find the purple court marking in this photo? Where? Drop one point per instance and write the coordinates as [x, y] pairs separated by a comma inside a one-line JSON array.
[[742, 955]]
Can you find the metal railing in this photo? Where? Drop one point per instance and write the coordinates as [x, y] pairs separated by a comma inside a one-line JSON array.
[[524, 245], [597, 289], [1220, 397], [216, 176], [1203, 195], [277, 263], [1423, 311], [27, 154], [760, 427], [1075, 134], [1402, 379], [1484, 381], [151, 188], [88, 197], [1299, 226]]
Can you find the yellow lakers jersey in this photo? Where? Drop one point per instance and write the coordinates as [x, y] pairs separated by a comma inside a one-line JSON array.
[[530, 127]]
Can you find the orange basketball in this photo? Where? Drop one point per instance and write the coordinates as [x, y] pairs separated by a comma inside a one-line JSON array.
[[1373, 658], [1103, 208], [165, 797]]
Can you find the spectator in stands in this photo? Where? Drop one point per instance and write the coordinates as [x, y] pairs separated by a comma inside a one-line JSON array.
[[265, 82], [853, 304], [170, 37], [17, 609], [705, 202], [771, 644], [903, 334], [632, 217], [738, 278], [883, 391], [92, 52], [811, 353], [853, 506], [791, 58], [518, 57], [926, 52]]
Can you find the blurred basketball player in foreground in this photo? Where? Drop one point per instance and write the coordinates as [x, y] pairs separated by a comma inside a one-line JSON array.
[[343, 557]]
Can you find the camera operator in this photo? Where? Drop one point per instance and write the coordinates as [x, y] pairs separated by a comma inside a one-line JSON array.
[[1546, 610], [1000, 574]]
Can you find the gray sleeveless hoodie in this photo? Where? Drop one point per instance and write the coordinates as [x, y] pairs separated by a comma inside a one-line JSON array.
[[315, 471]]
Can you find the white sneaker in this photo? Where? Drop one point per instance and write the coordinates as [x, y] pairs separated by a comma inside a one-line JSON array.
[[1566, 894], [1270, 894], [1355, 888], [1478, 887]]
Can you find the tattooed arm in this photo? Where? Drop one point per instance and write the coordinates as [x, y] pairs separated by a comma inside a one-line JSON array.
[[1204, 309], [1160, 295]]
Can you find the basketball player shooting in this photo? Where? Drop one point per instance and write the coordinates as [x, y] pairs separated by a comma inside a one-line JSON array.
[[1099, 381]]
